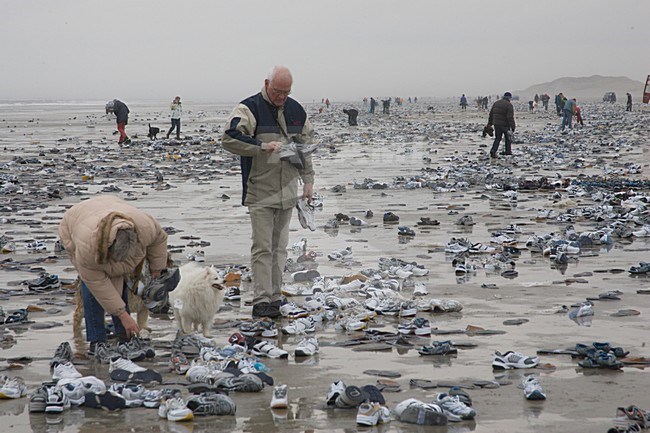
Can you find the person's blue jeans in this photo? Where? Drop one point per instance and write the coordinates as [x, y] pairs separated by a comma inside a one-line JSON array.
[[94, 316], [567, 116]]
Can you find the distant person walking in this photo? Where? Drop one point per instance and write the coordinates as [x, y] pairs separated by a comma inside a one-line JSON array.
[[373, 104], [545, 99], [352, 116], [628, 106], [385, 108], [177, 110], [463, 102], [502, 116], [327, 103], [559, 103], [567, 113], [121, 112]]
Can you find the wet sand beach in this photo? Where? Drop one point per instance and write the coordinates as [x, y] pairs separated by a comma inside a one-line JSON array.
[[434, 164]]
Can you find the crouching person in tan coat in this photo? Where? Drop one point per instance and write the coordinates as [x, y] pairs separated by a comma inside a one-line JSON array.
[[107, 239]]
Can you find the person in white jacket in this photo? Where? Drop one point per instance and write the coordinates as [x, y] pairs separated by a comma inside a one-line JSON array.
[[177, 110]]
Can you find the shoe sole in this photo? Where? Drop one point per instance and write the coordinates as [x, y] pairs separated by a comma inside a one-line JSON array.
[[352, 396], [187, 417], [37, 406], [536, 395], [423, 417]]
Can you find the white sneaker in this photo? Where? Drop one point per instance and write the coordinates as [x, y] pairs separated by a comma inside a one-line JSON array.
[[175, 409], [307, 347], [301, 325], [268, 349], [455, 409], [57, 401], [65, 370], [532, 389], [133, 394], [12, 387], [280, 399], [420, 289], [197, 256]]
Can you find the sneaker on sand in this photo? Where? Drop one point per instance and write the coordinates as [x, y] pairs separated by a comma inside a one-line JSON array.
[[371, 414], [264, 328], [63, 353], [307, 347], [124, 370], [211, 404], [153, 398], [413, 411], [38, 399], [455, 409], [302, 325], [280, 399], [108, 400], [76, 388], [306, 214], [103, 351], [178, 362], [12, 387], [438, 348], [133, 394], [351, 397], [335, 389], [532, 389], [175, 409], [65, 370], [57, 401], [268, 349], [243, 383], [417, 326], [74, 391], [510, 360]]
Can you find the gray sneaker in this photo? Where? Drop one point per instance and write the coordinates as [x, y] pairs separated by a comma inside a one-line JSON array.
[[423, 414], [211, 404], [306, 214], [103, 351], [62, 354]]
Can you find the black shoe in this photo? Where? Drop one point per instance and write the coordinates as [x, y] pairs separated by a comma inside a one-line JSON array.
[[264, 309], [493, 155]]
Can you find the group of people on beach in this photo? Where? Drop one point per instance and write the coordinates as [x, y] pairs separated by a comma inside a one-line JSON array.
[[121, 112]]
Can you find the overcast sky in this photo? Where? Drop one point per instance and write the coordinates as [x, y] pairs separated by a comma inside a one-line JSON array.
[[221, 51]]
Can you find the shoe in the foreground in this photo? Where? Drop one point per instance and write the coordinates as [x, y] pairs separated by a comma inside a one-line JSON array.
[[413, 411], [532, 389], [335, 389], [38, 399], [510, 360], [371, 414], [280, 398], [65, 370], [211, 404], [455, 409], [57, 401], [175, 409], [12, 387], [307, 347], [109, 400]]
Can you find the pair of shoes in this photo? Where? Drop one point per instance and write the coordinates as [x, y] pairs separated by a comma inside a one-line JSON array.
[[266, 309], [38, 399], [306, 214], [211, 403]]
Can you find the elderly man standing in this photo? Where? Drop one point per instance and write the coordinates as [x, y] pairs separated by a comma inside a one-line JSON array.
[[502, 116], [268, 130], [107, 239]]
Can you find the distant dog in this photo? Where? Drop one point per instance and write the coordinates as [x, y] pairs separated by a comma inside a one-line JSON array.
[[197, 298], [153, 132]]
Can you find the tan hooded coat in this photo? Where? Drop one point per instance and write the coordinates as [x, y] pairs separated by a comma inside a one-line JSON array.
[[88, 229]]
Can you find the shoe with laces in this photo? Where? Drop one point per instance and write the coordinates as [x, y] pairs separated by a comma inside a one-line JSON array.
[[280, 399], [124, 370], [417, 326], [131, 350], [63, 353], [74, 391], [532, 389], [306, 214], [334, 390], [133, 394], [438, 348], [264, 328], [292, 311], [461, 394], [175, 409], [12, 387], [199, 373], [453, 408], [103, 351], [178, 363], [57, 400], [371, 414], [413, 411], [232, 294], [65, 370], [307, 347], [243, 383], [211, 404], [510, 360], [38, 399], [303, 325], [268, 349], [152, 399]]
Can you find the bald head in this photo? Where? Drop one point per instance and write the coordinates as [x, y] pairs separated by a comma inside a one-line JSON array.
[[278, 85]]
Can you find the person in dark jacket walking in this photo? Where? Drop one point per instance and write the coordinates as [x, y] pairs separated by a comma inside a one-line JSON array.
[[502, 116], [628, 107], [122, 114]]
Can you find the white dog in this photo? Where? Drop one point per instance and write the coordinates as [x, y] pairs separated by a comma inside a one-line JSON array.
[[197, 298]]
